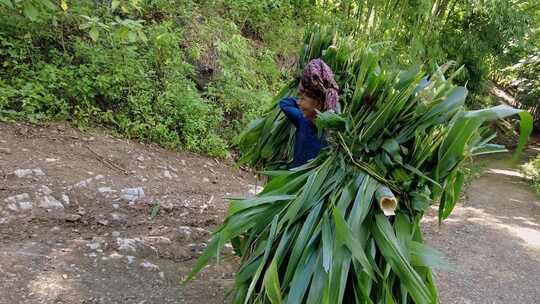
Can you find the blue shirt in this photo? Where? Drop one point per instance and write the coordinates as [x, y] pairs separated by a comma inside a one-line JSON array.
[[306, 142]]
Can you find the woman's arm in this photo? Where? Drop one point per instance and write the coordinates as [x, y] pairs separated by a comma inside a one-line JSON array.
[[290, 108]]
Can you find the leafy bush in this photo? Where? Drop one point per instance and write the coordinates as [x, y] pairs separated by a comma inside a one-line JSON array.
[[190, 74], [522, 80], [133, 67], [532, 170]]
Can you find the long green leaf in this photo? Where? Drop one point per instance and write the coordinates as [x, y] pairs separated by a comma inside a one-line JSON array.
[[345, 237], [271, 284], [390, 249], [7, 3]]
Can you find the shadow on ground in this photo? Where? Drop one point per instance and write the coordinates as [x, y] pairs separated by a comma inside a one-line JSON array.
[[492, 239]]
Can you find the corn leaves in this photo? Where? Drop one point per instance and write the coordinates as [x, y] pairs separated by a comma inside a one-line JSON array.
[[315, 234]]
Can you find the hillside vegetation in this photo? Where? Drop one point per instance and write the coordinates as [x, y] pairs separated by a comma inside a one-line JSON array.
[[190, 74]]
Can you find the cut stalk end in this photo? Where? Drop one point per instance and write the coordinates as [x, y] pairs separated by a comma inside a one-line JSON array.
[[387, 201]]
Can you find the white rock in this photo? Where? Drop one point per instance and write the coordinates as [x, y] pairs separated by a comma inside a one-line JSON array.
[[167, 174], [105, 190], [130, 259], [93, 246], [115, 206], [49, 202], [44, 190], [132, 194], [204, 207], [206, 180], [18, 198], [149, 266], [55, 229], [65, 198], [115, 255], [13, 207], [127, 245], [72, 218], [5, 150], [85, 183], [135, 246], [25, 205], [23, 173], [118, 218], [51, 160], [115, 234]]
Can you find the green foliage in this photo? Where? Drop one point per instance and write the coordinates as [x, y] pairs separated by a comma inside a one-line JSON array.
[[123, 63], [240, 91], [315, 233], [32, 9], [484, 36], [522, 80], [532, 170], [129, 66]]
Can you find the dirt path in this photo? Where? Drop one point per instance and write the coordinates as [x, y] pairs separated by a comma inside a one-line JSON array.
[[89, 218], [492, 239], [77, 224]]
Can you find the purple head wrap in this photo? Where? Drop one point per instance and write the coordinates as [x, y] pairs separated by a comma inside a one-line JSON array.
[[318, 82]]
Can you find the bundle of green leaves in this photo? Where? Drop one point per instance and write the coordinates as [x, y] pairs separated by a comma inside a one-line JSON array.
[[316, 234]]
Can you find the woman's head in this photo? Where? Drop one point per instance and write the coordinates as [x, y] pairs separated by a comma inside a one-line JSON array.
[[310, 105], [318, 88]]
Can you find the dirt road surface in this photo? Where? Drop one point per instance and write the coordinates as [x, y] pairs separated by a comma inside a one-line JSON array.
[[492, 240], [89, 218]]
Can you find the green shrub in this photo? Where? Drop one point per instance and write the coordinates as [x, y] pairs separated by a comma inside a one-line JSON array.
[[522, 80], [132, 68], [532, 170], [138, 66]]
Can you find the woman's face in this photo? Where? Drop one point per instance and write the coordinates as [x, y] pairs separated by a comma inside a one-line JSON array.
[[309, 105]]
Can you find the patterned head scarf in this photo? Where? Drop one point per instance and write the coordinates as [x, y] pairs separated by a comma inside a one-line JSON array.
[[318, 82]]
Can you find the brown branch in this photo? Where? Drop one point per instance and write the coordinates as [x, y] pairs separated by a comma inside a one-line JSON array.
[[107, 162]]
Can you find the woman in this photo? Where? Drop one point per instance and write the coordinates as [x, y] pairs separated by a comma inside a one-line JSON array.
[[318, 91]]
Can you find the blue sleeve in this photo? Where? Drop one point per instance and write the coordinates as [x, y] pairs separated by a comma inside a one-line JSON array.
[[290, 108]]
